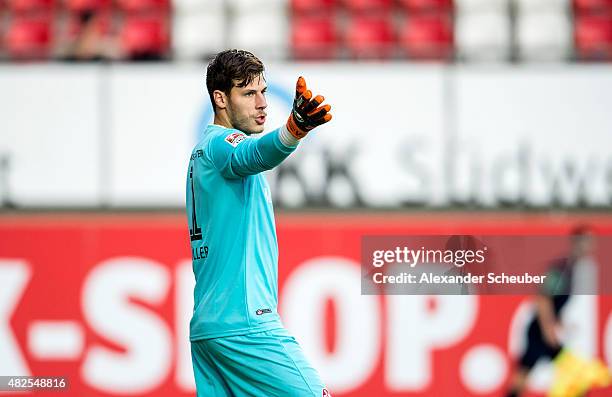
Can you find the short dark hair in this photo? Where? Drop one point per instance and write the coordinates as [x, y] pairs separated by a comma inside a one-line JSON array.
[[229, 67]]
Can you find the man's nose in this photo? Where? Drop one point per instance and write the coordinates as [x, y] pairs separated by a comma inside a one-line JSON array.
[[261, 102]]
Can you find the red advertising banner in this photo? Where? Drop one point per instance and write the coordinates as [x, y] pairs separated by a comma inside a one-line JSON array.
[[105, 301]]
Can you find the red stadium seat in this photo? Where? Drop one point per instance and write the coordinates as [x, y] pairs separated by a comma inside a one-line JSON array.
[[593, 35], [313, 6], [29, 38], [593, 5], [138, 6], [427, 36], [87, 5], [103, 23], [380, 6], [370, 37], [31, 6], [314, 37], [427, 5], [145, 37]]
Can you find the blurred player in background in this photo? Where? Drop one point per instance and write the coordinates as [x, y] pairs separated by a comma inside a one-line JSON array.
[[239, 346], [543, 331]]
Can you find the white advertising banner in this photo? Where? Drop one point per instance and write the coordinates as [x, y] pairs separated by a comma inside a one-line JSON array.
[[387, 127], [154, 118], [535, 137], [50, 130], [384, 146], [402, 135]]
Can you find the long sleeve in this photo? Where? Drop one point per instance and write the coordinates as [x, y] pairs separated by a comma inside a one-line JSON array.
[[235, 155]]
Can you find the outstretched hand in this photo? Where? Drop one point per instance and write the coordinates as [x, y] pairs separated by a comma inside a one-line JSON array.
[[307, 112]]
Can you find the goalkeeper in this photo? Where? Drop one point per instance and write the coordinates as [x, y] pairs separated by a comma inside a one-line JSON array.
[[239, 346]]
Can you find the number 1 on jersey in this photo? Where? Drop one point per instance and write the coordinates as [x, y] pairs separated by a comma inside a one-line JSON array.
[[195, 232]]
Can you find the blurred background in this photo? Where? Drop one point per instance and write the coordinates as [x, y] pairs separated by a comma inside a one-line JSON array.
[[444, 30], [484, 117]]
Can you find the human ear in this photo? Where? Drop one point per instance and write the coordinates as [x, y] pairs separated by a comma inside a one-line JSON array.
[[220, 99]]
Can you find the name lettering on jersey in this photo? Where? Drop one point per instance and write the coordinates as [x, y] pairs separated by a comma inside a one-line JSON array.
[[235, 138], [199, 252], [197, 153]]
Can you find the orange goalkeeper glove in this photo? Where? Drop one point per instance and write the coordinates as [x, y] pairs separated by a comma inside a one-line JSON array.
[[307, 112]]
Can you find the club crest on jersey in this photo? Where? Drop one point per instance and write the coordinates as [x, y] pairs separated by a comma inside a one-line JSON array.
[[326, 393], [235, 138]]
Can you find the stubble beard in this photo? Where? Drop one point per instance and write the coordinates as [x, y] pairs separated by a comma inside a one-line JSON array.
[[242, 124]]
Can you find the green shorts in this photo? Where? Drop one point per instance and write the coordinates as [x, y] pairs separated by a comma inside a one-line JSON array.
[[268, 363]]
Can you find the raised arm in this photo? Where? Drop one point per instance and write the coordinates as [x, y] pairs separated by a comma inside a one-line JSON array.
[[235, 155]]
